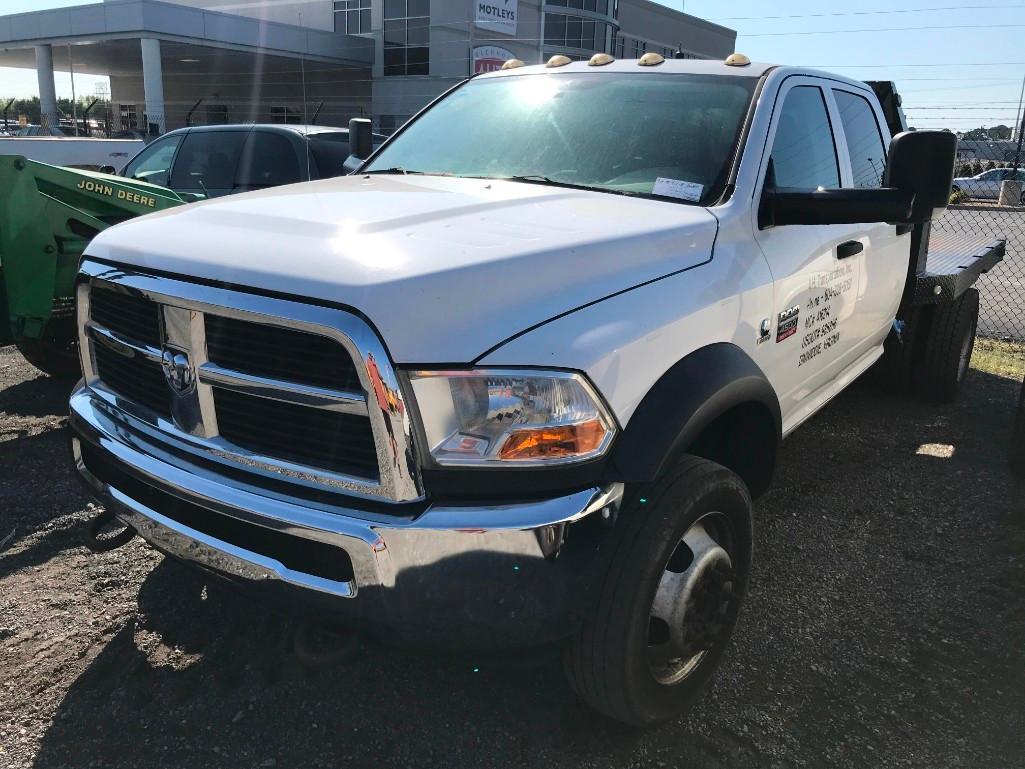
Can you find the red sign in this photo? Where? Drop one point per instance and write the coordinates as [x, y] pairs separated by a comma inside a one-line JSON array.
[[488, 58]]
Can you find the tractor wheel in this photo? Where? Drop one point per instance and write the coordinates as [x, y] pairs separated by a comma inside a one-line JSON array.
[[55, 352]]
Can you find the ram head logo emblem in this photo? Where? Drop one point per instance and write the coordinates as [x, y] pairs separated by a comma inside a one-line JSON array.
[[178, 371]]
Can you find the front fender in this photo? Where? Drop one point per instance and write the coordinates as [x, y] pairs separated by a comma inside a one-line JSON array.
[[692, 394]]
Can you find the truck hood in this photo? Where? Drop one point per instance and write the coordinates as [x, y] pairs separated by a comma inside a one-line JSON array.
[[446, 268]]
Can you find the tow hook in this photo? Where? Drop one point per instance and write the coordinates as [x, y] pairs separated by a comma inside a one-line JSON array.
[[102, 537]]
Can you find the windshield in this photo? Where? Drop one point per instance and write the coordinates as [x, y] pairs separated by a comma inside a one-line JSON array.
[[644, 134]]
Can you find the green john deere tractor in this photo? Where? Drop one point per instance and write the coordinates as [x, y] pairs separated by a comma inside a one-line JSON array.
[[48, 215]]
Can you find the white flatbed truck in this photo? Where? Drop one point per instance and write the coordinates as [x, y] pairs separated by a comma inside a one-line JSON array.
[[517, 380]]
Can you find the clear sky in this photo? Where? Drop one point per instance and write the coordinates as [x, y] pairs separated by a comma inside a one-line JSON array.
[[958, 63]]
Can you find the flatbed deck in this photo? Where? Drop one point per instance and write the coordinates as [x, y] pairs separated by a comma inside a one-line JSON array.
[[953, 265]]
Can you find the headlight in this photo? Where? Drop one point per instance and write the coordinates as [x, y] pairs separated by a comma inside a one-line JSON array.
[[489, 416]]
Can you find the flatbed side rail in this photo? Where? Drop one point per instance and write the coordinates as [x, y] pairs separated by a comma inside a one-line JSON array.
[[953, 265]]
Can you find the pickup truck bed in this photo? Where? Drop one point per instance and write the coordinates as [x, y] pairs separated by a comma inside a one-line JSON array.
[[953, 264]]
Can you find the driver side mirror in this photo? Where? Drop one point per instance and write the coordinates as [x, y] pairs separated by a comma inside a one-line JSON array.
[[916, 186], [107, 170]]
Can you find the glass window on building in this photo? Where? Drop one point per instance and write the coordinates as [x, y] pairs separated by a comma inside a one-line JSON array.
[[570, 56], [389, 124], [640, 47], [575, 32], [284, 114], [595, 6], [352, 16], [129, 116], [216, 114], [407, 39]]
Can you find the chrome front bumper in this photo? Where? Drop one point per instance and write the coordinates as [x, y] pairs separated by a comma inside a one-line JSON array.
[[481, 575]]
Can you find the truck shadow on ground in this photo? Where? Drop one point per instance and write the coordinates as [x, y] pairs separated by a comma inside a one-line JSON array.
[[232, 693], [862, 637], [43, 510], [39, 397]]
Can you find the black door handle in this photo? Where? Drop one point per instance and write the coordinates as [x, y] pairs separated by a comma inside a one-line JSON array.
[[849, 248]]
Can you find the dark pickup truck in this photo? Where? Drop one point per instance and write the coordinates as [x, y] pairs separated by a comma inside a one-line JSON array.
[[211, 161]]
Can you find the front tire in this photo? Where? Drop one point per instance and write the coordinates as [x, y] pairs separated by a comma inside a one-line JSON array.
[[670, 598]]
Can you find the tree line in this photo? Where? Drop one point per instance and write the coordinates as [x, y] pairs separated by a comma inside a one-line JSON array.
[[15, 109]]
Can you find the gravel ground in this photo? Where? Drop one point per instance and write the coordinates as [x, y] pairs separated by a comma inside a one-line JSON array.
[[884, 628]]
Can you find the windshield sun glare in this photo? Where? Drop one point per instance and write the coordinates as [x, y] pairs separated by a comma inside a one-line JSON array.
[[670, 136]]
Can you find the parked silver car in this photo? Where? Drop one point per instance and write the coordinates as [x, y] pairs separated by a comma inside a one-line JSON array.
[[987, 184]]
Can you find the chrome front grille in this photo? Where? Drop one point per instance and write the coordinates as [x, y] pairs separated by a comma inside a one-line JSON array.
[[280, 388], [132, 316], [137, 379], [280, 353], [329, 439]]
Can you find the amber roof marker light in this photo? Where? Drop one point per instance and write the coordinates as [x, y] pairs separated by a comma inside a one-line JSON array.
[[737, 60], [558, 61], [600, 60], [512, 64], [651, 59]]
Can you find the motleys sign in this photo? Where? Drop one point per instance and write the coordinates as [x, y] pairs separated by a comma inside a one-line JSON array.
[[496, 15], [488, 58]]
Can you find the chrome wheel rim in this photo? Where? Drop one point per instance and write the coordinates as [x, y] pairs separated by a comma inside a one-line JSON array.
[[691, 609]]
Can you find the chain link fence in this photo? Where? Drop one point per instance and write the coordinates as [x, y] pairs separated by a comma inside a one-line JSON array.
[[1002, 290], [991, 204]]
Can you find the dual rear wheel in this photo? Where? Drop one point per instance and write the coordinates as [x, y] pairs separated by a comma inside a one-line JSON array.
[[931, 356]]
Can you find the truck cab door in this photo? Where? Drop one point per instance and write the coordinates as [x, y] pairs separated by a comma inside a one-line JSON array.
[[814, 334]]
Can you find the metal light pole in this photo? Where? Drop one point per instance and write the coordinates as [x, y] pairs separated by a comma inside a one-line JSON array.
[[541, 33], [74, 102], [1019, 118]]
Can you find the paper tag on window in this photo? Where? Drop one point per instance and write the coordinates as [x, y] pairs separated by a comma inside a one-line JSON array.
[[675, 188]]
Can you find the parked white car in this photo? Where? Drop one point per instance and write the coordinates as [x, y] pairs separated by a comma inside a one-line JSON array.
[[986, 185], [71, 151]]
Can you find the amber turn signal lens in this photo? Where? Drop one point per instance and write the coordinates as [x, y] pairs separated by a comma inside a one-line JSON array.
[[552, 442]]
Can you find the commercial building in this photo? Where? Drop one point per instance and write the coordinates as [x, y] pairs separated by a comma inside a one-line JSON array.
[[179, 62]]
